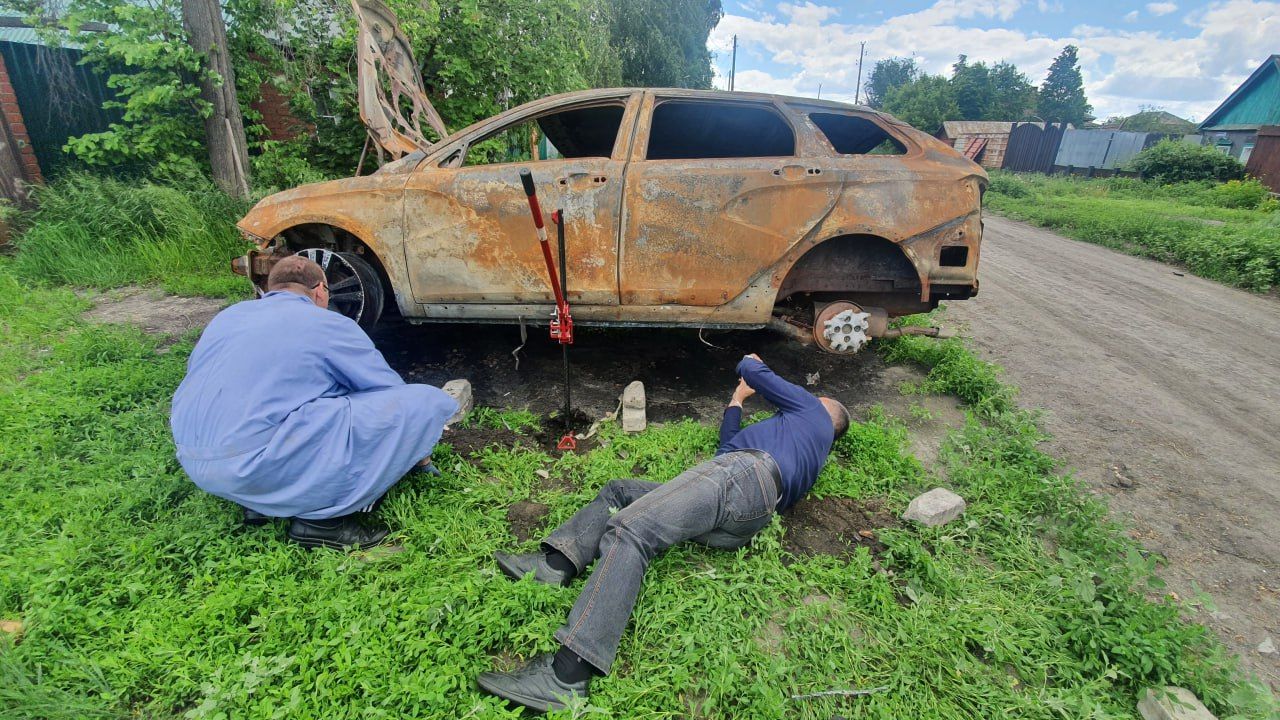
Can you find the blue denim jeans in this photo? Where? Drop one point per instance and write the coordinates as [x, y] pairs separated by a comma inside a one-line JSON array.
[[720, 503]]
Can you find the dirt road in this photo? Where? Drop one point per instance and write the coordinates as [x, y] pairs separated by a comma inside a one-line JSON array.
[[1170, 378]]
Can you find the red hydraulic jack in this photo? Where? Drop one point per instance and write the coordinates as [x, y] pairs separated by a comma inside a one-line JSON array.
[[561, 321]]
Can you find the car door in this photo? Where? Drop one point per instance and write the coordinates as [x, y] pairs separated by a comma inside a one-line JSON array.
[[469, 237], [715, 195]]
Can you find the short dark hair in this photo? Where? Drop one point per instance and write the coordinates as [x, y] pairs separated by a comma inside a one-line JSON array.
[[840, 420], [294, 270]]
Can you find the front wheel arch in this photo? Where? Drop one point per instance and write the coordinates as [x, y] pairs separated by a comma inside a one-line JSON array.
[[331, 237]]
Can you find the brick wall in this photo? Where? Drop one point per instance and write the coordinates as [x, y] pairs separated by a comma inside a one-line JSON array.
[[11, 115], [280, 123]]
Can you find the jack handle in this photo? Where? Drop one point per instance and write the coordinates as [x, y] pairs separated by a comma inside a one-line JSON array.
[[562, 322]]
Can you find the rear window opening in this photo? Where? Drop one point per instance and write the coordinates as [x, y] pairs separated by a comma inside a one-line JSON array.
[[578, 133], [852, 135], [954, 256], [687, 130]]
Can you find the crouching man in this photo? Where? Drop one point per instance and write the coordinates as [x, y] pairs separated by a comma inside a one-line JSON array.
[[288, 410], [757, 471]]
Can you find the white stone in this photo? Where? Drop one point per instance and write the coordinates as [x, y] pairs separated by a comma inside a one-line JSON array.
[[459, 390], [1267, 647], [1172, 703], [633, 408], [939, 506]]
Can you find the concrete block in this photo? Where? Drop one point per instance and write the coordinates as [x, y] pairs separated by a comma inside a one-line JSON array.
[[1172, 703], [460, 390], [939, 506], [633, 408]]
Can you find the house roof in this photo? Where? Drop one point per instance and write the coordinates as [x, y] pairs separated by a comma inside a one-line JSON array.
[[955, 128], [1152, 121], [1256, 102]]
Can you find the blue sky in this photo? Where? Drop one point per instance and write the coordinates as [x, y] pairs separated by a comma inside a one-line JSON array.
[[1184, 57]]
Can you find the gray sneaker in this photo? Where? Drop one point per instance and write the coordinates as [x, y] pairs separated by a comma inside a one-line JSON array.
[[517, 566], [534, 686]]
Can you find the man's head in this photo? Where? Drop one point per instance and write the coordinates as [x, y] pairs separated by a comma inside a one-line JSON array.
[[839, 415], [302, 276]]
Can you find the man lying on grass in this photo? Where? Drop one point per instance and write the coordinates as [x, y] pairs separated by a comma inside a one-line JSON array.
[[289, 410], [757, 471]]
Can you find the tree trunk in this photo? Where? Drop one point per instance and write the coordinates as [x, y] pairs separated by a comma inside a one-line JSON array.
[[224, 128]]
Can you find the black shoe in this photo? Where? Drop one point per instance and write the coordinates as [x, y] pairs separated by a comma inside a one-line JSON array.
[[339, 533], [253, 517], [517, 566], [535, 685]]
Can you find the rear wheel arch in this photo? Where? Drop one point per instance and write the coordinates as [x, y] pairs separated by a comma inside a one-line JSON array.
[[861, 267]]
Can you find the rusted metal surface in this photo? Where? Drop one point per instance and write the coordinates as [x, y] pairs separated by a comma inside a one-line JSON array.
[[389, 81], [702, 242]]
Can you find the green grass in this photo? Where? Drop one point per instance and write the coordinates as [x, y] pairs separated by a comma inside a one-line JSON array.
[[91, 231], [143, 597], [1229, 233]]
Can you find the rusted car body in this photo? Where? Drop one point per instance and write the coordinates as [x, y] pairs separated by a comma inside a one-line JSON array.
[[681, 208]]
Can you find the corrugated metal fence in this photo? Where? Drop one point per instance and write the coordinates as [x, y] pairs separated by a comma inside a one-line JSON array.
[[1103, 149], [1032, 148], [59, 98], [1264, 162]]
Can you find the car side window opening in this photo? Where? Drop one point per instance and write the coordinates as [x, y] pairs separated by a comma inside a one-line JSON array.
[[577, 133], [853, 135], [683, 129]]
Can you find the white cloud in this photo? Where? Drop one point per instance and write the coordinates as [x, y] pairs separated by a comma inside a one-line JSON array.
[[1162, 8], [1131, 16], [1122, 69], [1045, 6]]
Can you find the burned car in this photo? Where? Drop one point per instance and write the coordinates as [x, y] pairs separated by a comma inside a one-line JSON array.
[[688, 208]]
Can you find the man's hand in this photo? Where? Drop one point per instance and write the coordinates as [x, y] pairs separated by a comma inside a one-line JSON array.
[[741, 393]]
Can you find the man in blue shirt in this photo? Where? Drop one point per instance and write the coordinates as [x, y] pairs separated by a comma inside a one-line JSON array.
[[288, 410], [722, 503]]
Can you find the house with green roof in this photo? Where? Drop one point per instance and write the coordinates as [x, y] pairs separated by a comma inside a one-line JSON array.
[[1233, 127]]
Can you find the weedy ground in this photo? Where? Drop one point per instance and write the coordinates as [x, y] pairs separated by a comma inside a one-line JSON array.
[[141, 596], [1228, 232]]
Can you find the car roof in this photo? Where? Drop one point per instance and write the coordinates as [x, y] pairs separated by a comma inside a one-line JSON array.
[[552, 101]]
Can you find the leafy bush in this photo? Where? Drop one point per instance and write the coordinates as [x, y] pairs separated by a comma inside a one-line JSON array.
[[1171, 161], [284, 165], [1245, 194], [105, 232], [1010, 185]]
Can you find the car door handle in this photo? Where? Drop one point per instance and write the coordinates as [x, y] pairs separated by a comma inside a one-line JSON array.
[[582, 177], [795, 172]]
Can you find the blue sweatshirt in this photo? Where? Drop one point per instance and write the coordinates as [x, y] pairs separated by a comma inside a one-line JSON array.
[[798, 437]]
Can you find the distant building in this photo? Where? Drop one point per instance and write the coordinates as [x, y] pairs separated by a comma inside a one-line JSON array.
[[982, 141], [1233, 127], [1151, 121]]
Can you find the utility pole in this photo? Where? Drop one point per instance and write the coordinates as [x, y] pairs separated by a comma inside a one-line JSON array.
[[733, 63], [858, 90], [819, 91]]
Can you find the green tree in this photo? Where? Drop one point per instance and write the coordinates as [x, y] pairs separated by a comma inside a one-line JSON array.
[[1061, 97], [1013, 97], [925, 104], [972, 88], [887, 75], [663, 43]]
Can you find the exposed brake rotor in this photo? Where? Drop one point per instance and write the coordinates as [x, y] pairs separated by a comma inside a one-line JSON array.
[[841, 328]]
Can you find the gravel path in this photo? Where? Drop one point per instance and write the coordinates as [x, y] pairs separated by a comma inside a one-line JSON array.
[[1162, 391]]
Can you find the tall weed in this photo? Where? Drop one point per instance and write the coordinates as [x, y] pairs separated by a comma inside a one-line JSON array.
[[103, 232]]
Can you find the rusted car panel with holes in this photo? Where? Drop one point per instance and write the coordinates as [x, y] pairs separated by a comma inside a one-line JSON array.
[[681, 207]]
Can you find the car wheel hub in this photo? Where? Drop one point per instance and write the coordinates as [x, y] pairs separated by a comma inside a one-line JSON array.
[[346, 291], [845, 331]]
